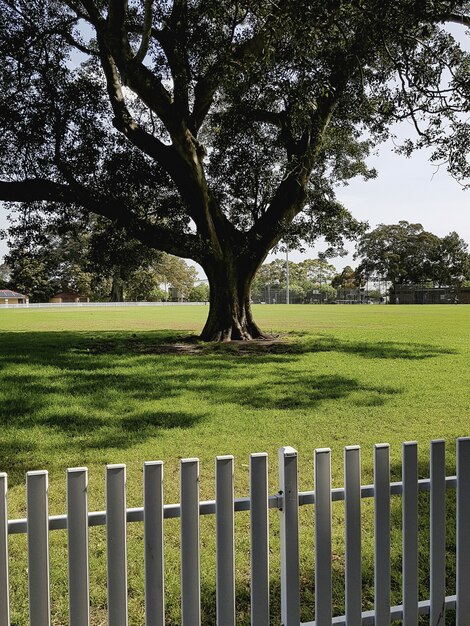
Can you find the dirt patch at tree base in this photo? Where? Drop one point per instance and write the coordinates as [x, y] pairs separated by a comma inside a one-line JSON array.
[[191, 345]]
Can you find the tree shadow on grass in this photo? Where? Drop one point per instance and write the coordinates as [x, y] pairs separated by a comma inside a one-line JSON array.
[[15, 457], [25, 346], [65, 439], [114, 390], [302, 391], [295, 344], [60, 404]]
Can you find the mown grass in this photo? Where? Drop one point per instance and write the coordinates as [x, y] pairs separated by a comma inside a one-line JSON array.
[[91, 386]]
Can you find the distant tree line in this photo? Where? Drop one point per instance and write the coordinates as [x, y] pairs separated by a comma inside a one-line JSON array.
[[406, 254], [47, 257], [307, 280], [402, 253]]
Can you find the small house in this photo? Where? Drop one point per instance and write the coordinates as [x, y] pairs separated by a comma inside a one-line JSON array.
[[68, 297], [7, 296]]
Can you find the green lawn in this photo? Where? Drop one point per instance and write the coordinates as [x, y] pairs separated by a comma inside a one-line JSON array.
[[93, 386]]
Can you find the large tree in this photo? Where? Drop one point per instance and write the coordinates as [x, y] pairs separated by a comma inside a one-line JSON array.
[[400, 253], [212, 129], [452, 262], [405, 253]]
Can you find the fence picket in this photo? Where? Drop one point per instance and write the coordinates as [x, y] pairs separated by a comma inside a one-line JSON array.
[[382, 533], [352, 496], [116, 544], [225, 541], [190, 559], [77, 532], [38, 548], [153, 542], [289, 535], [463, 536], [4, 585], [323, 559], [410, 533], [116, 517], [437, 532], [259, 539]]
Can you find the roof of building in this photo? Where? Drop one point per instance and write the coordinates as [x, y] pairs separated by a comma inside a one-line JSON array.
[[7, 293], [61, 294]]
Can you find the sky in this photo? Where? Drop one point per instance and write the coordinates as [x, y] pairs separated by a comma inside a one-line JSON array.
[[410, 189]]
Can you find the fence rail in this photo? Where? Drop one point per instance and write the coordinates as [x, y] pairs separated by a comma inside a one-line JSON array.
[[75, 305], [287, 501]]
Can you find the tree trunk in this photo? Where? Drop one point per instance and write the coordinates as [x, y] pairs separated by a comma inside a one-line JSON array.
[[230, 316], [117, 288]]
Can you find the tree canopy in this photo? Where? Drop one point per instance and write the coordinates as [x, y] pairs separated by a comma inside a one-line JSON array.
[[88, 257], [405, 253], [213, 130], [348, 279]]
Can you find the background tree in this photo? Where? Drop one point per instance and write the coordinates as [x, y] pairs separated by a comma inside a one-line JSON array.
[[212, 130], [174, 272], [272, 275], [305, 278], [43, 260], [114, 257], [405, 253], [199, 293], [50, 253], [347, 280], [316, 275], [4, 275], [452, 261]]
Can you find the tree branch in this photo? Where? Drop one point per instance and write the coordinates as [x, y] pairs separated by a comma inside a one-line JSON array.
[[152, 235], [458, 19], [117, 14], [173, 40], [79, 46], [92, 16], [140, 79], [290, 196], [123, 120], [146, 34], [208, 84], [180, 161]]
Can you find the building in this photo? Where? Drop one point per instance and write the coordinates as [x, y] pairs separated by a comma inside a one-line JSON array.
[[12, 297], [418, 294], [68, 297]]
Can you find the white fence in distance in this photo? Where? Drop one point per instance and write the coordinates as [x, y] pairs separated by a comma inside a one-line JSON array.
[[38, 524], [74, 305]]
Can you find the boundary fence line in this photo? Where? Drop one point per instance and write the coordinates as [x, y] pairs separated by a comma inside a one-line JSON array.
[[73, 305], [287, 501]]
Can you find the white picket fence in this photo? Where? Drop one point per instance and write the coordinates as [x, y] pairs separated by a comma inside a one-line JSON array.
[[38, 524], [71, 306]]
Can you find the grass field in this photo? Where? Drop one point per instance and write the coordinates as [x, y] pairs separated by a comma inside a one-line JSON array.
[[92, 386]]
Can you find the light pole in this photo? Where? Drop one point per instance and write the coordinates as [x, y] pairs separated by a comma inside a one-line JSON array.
[[287, 276]]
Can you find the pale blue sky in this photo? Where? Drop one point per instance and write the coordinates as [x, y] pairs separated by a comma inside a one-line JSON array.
[[409, 189]]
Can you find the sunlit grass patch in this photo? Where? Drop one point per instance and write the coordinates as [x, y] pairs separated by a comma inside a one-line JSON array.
[[90, 387]]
